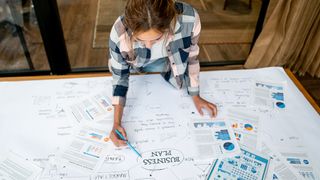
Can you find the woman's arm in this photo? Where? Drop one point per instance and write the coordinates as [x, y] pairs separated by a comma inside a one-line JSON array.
[[202, 103], [118, 111], [194, 71], [120, 74]]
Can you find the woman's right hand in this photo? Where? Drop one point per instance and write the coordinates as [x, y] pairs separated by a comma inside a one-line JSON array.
[[115, 138]]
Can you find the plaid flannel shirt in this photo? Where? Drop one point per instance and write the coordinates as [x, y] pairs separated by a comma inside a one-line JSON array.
[[181, 47]]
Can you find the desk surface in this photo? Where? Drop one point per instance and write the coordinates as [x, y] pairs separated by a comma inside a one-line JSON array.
[[34, 119]]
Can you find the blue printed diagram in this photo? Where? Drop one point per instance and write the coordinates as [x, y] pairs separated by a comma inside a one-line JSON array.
[[214, 139], [105, 103], [209, 124], [297, 161], [267, 94], [278, 96], [228, 146], [294, 160], [222, 135], [280, 105], [248, 166], [268, 86]]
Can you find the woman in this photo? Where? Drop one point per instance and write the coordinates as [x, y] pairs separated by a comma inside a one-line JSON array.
[[155, 36]]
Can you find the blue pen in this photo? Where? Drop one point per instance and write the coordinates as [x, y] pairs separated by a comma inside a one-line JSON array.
[[130, 146], [211, 170]]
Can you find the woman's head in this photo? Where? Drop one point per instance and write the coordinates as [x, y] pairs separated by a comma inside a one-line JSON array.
[[149, 18]]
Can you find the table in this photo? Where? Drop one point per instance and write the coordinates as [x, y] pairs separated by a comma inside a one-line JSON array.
[[18, 101]]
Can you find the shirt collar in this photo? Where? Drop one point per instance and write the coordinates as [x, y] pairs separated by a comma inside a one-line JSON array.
[[177, 27]]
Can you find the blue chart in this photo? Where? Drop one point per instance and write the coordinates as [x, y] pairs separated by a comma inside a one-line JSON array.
[[228, 146], [238, 136], [209, 124], [269, 86], [278, 96], [222, 135], [294, 160], [280, 105], [248, 127], [247, 166]]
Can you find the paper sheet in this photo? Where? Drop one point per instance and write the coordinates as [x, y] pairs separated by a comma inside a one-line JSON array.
[[97, 108], [16, 168], [214, 139], [246, 126], [269, 95], [279, 168], [87, 150], [228, 91], [249, 165], [300, 160]]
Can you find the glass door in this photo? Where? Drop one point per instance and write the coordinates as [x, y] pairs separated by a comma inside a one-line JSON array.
[[21, 45], [63, 36]]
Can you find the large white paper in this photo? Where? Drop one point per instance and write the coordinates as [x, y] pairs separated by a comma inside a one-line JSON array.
[[161, 163], [33, 116], [35, 120], [13, 167]]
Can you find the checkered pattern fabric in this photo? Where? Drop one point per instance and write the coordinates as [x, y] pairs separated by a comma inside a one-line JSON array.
[[181, 45]]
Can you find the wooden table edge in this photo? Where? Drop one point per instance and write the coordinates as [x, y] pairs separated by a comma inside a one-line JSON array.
[[303, 90]]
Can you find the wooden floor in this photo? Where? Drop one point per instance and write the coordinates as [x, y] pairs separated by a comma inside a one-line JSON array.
[[226, 34]]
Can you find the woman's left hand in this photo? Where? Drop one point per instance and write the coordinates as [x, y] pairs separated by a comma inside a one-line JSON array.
[[202, 103]]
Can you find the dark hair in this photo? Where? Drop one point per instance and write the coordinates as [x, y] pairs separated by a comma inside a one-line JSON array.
[[142, 15]]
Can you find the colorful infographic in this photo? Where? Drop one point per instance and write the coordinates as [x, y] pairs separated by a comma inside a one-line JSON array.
[[214, 139], [249, 165], [245, 124], [269, 95]]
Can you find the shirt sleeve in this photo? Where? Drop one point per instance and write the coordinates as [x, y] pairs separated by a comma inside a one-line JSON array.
[[118, 65], [193, 70]]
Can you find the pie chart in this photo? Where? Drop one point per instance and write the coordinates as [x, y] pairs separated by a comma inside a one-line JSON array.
[[248, 127], [228, 146], [280, 105]]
